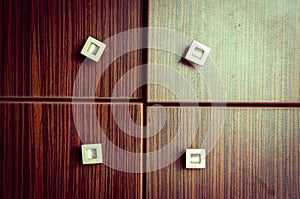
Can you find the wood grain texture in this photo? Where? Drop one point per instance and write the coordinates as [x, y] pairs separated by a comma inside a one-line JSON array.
[[255, 46], [40, 155], [257, 155], [41, 43]]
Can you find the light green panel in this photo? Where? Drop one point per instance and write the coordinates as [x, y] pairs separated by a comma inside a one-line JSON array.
[[255, 45]]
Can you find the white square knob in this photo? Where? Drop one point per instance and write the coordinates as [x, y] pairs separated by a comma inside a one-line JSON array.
[[195, 158], [91, 153], [93, 49], [197, 53]]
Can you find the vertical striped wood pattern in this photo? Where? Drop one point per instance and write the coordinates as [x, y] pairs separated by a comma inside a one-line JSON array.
[[257, 156], [40, 155], [255, 46], [41, 43]]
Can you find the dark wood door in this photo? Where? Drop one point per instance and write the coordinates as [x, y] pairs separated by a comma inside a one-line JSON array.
[[41, 43], [255, 48], [40, 154], [255, 156]]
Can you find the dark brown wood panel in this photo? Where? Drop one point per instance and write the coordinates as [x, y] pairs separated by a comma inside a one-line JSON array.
[[40, 155], [257, 155], [41, 43]]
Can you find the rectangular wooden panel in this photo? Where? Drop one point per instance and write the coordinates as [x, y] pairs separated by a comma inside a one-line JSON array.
[[40, 154], [255, 46], [41, 43], [257, 154]]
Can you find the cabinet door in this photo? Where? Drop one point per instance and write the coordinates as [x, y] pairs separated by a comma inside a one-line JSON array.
[[257, 154], [41, 43], [255, 47], [40, 152]]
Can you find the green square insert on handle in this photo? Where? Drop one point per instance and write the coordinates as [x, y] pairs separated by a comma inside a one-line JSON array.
[[91, 153], [93, 49]]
